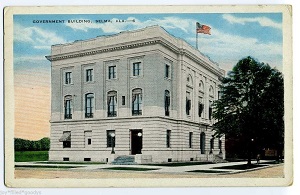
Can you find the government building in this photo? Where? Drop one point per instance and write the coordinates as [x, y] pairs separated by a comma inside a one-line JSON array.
[[140, 96]]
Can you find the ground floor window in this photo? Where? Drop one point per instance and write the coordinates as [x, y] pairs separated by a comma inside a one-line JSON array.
[[111, 138]]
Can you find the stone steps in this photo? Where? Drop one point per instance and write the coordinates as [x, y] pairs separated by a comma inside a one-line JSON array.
[[124, 160]]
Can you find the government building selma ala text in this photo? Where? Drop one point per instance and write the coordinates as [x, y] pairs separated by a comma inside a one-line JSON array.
[[143, 95]]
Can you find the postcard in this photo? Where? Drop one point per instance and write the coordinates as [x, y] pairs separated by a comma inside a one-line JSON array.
[[148, 96]]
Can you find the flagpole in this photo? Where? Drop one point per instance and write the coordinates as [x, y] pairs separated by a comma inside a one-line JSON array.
[[196, 37]]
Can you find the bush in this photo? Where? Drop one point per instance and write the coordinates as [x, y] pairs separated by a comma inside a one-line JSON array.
[[28, 145]]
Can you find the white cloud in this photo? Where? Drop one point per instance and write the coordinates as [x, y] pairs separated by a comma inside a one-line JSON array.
[[40, 38], [166, 22], [263, 21], [227, 49], [28, 58]]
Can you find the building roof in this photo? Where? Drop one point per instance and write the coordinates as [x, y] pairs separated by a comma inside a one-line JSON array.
[[132, 39]]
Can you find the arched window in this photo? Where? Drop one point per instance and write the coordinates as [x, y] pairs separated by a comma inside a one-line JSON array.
[[201, 86], [89, 103], [188, 103], [137, 102], [68, 106], [202, 142], [211, 91], [167, 103], [112, 104], [189, 80]]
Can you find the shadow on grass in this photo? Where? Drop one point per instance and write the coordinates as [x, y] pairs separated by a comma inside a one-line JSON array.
[[208, 171], [77, 163], [177, 164], [41, 166], [272, 163], [129, 169], [240, 167]]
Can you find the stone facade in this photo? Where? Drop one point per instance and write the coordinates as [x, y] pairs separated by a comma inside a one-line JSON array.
[[143, 93]]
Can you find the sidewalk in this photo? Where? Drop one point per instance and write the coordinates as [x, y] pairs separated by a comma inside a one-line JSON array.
[[205, 168]]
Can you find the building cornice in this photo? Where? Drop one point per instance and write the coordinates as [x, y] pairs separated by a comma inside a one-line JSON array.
[[141, 43]]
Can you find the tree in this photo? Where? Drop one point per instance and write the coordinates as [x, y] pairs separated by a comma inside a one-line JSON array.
[[251, 107]]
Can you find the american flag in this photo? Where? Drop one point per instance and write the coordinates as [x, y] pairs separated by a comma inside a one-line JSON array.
[[201, 28]]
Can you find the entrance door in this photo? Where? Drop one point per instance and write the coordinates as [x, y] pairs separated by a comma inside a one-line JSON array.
[[136, 141]]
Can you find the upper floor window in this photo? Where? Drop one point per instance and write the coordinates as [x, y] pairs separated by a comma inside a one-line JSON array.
[[89, 75], [68, 106], [89, 102], [188, 103], [137, 102], [112, 72], [189, 81], [167, 71], [211, 91], [201, 86], [136, 68], [112, 103], [210, 110], [200, 106], [167, 103], [68, 77]]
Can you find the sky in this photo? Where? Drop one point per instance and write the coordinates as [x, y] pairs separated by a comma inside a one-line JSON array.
[[233, 37]]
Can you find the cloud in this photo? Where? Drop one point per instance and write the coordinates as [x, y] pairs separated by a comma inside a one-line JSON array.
[[263, 21], [40, 38], [228, 49], [108, 27]]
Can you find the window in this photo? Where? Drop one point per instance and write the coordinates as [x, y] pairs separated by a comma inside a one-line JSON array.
[[123, 100], [168, 138], [88, 138], [167, 103], [66, 139], [89, 75], [68, 77], [220, 145], [188, 103], [136, 68], [137, 102], [202, 142], [212, 145], [210, 110], [89, 99], [167, 71], [111, 104], [190, 139], [112, 72], [200, 107], [68, 106], [111, 138]]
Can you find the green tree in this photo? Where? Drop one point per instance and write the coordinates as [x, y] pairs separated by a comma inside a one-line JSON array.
[[251, 107]]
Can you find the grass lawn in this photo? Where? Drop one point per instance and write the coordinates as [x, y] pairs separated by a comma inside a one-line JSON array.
[[177, 164], [29, 156], [208, 171], [41, 166], [240, 167], [129, 168], [68, 162]]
